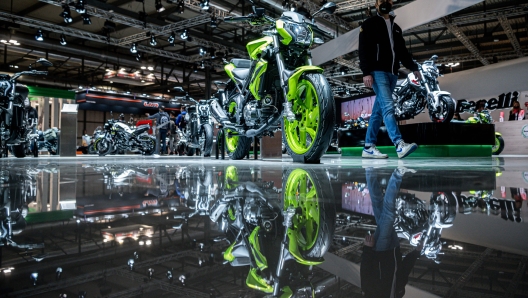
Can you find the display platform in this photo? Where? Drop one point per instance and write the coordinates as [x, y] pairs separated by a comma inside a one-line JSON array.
[[434, 140]]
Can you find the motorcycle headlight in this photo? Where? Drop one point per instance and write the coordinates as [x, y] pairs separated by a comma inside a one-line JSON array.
[[301, 33]]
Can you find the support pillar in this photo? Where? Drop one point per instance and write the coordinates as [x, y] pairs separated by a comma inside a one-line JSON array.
[[43, 113], [55, 112]]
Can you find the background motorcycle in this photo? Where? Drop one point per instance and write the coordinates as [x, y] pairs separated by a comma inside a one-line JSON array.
[[199, 129], [14, 122], [483, 116], [280, 240], [48, 139], [279, 80], [122, 137], [411, 96]]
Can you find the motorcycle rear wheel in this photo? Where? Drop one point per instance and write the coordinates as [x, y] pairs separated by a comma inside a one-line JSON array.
[[206, 140], [35, 150], [237, 147], [309, 135], [104, 147], [499, 145], [446, 203], [148, 145], [314, 222], [447, 110]]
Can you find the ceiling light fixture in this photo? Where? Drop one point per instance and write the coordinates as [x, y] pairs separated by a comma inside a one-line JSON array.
[[153, 41], [214, 24], [181, 6], [86, 19], [202, 65], [172, 38], [79, 7], [133, 48], [150, 68], [138, 57], [184, 34], [66, 14], [159, 7], [213, 54], [202, 52], [195, 68], [39, 36], [63, 40], [143, 67], [204, 4]]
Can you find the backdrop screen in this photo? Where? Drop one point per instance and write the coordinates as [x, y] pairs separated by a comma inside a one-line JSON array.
[[357, 107]]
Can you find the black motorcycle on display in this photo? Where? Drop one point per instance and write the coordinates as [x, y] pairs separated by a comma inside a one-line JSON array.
[[119, 136], [419, 225], [411, 95], [198, 132], [49, 140], [280, 234], [14, 123]]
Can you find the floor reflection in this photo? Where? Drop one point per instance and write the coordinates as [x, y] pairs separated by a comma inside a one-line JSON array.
[[123, 228]]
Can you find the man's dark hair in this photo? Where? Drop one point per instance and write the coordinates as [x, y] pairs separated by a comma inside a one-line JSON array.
[[184, 108], [162, 108]]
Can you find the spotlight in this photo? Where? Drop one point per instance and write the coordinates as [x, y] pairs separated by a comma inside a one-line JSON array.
[[150, 273], [182, 279], [159, 7], [171, 39], [86, 19], [58, 273], [153, 41], [202, 52], [214, 24], [202, 66], [133, 48], [195, 68], [63, 40], [79, 7], [131, 264], [181, 6], [184, 34], [34, 277], [39, 36], [213, 54], [204, 4], [66, 14], [151, 68], [138, 57]]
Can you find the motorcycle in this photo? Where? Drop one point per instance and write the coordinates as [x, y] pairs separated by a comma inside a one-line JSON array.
[[199, 129], [119, 136], [280, 239], [14, 122], [49, 139], [278, 81], [483, 116], [411, 95]]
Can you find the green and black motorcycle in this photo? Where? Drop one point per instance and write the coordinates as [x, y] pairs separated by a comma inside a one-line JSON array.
[[279, 233], [278, 81]]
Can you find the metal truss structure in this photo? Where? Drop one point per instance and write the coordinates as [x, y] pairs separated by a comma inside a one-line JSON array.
[[467, 274], [503, 20], [312, 8], [464, 40], [350, 5], [466, 58]]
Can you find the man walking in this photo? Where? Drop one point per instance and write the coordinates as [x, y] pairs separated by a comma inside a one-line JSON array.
[[381, 48], [162, 125]]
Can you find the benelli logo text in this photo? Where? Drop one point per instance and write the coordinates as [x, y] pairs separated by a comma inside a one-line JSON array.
[[151, 104], [505, 101]]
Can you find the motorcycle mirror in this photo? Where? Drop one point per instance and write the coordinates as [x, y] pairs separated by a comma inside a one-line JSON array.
[[180, 89], [329, 8], [434, 57], [44, 62], [258, 11], [318, 40]]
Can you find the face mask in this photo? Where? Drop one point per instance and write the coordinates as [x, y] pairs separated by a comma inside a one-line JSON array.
[[385, 8]]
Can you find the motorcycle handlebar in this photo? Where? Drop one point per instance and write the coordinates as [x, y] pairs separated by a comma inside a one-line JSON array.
[[28, 72], [238, 19]]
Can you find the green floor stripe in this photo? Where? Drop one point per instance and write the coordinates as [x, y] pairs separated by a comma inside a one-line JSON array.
[[429, 151]]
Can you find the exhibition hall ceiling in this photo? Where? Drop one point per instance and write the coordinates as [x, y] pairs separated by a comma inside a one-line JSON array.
[[99, 35]]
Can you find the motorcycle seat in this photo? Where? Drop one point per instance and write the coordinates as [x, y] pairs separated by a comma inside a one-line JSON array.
[[241, 63]]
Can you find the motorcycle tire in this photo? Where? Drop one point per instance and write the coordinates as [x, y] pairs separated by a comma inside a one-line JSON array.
[[207, 136], [148, 145], [91, 149], [309, 135], [19, 151], [35, 148], [448, 110], [190, 151], [237, 147], [447, 206], [104, 147], [499, 145], [310, 192]]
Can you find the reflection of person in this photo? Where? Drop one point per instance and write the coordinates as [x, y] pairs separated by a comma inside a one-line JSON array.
[[161, 118], [384, 272], [515, 112], [381, 48]]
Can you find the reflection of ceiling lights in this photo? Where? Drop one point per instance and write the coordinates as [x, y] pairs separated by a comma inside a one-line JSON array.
[[455, 247], [452, 64], [10, 41]]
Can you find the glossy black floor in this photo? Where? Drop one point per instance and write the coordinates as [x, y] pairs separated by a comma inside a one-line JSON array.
[[131, 226]]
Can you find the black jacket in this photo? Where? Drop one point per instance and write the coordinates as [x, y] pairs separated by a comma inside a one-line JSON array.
[[375, 51], [380, 269]]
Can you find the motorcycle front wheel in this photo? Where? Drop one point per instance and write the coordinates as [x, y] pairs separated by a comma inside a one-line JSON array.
[[313, 224], [445, 203], [445, 112], [19, 150], [206, 140], [104, 146], [499, 145], [309, 135], [148, 145]]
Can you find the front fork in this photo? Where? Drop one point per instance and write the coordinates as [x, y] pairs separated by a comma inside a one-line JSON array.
[[288, 113], [284, 253]]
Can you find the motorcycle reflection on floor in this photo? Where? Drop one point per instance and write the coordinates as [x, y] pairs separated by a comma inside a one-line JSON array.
[[416, 224], [49, 140], [279, 233]]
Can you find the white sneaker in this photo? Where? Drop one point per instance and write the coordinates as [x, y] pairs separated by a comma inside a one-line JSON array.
[[373, 152], [403, 149]]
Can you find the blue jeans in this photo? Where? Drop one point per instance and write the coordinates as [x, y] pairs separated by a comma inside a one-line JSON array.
[[163, 141], [383, 109], [384, 207]]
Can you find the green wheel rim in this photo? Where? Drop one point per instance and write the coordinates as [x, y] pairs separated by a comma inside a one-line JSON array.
[[301, 132], [301, 192], [231, 141], [497, 145]]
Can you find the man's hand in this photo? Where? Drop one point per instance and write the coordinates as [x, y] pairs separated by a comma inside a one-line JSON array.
[[417, 74], [147, 114], [368, 81], [369, 240]]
